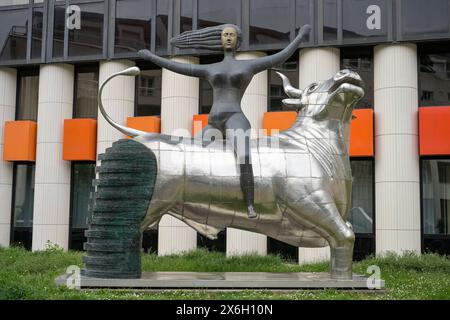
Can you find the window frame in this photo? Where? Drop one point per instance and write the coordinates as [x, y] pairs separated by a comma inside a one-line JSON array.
[[94, 67]]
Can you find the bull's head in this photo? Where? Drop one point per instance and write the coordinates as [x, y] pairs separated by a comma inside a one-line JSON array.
[[332, 99]]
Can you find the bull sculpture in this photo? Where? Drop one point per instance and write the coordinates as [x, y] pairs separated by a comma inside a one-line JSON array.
[[303, 183]]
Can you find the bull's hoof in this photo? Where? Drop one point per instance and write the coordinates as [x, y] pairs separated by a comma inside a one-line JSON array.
[[251, 212]]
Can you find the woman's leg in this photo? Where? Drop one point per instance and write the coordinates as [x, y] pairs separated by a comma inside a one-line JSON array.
[[238, 132]]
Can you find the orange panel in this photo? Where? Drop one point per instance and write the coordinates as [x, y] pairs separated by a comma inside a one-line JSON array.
[[148, 124], [279, 120], [80, 140], [20, 141], [199, 121], [361, 133], [434, 131]]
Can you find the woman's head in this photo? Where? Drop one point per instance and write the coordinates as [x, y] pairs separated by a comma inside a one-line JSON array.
[[225, 36]]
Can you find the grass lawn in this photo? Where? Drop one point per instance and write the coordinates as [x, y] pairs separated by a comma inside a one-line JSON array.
[[31, 275]]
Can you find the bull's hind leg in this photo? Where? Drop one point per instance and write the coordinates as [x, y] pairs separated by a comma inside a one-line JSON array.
[[124, 188], [324, 218]]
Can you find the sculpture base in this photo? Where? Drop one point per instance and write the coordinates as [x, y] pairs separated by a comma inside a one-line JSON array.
[[226, 280]]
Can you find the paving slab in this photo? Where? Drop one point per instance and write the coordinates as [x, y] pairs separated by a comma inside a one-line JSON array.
[[225, 280]]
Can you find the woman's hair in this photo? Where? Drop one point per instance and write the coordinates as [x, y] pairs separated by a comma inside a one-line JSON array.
[[206, 38]]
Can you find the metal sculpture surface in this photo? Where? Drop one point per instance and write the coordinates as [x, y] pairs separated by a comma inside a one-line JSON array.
[[229, 80], [303, 181]]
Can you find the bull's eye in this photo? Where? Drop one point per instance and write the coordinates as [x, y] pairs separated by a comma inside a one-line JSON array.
[[313, 87]]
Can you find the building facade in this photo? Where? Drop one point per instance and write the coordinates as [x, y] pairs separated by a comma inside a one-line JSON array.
[[55, 53]]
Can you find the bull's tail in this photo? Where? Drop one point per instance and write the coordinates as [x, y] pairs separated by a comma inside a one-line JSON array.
[[124, 188]]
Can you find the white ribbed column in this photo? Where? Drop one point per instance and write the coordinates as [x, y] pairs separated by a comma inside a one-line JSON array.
[[179, 103], [316, 64], [51, 213], [8, 81], [118, 100], [254, 104], [397, 189]]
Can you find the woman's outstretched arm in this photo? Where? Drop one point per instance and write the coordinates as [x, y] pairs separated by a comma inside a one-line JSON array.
[[276, 59], [192, 70]]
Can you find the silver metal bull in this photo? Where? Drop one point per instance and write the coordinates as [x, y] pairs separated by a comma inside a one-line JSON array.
[[303, 179]]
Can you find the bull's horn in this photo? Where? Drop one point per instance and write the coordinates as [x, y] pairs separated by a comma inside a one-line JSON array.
[[288, 88]]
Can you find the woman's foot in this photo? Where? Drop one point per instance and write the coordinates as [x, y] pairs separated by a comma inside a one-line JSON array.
[[251, 212]]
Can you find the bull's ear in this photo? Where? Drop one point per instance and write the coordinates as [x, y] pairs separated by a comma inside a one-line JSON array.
[[293, 104]]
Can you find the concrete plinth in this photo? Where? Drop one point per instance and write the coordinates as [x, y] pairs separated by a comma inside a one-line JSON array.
[[226, 280]]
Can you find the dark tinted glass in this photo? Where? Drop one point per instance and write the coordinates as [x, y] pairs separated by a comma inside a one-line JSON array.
[[149, 93], [361, 61], [23, 195], [303, 15], [86, 89], [58, 31], [364, 18], [361, 209], [162, 22], [36, 40], [434, 74], [216, 12], [269, 21], [425, 17], [13, 34], [133, 25], [27, 97], [289, 69], [436, 196], [82, 187], [89, 39], [217, 245], [287, 252], [186, 16], [330, 12]]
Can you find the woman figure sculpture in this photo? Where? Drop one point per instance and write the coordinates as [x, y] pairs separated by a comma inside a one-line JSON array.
[[229, 79]]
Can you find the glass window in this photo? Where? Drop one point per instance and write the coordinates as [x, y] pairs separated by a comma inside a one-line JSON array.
[[148, 93], [425, 18], [27, 97], [86, 91], [330, 11], [290, 70], [364, 19], [303, 15], [83, 174], [361, 209], [434, 74], [133, 25], [186, 16], [13, 34], [360, 60], [217, 245], [36, 40], [22, 205], [58, 31], [216, 12], [269, 22], [13, 2], [88, 40], [436, 197], [162, 22]]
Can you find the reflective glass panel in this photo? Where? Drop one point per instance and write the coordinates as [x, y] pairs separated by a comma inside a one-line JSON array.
[[86, 105], [186, 16], [36, 40], [425, 17], [83, 174], [361, 209], [364, 18], [13, 34], [434, 74], [58, 31], [269, 22], [23, 195], [27, 95], [302, 15], [149, 93], [88, 40], [216, 12], [330, 12], [436, 196], [133, 25]]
